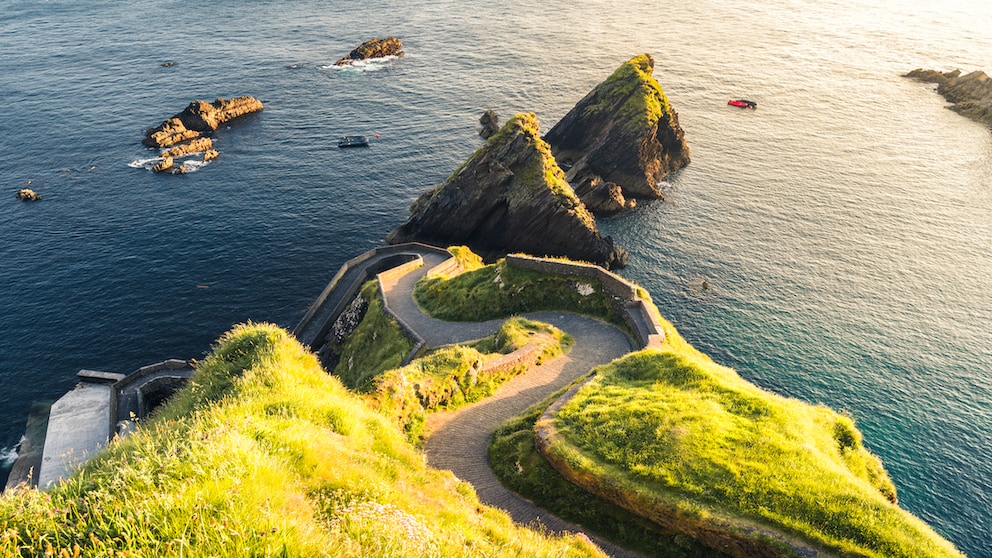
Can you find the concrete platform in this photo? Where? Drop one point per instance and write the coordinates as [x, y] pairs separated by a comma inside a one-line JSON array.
[[78, 427]]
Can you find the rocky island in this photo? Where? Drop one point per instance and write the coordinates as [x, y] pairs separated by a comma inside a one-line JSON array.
[[621, 139], [184, 133], [510, 196], [373, 48], [971, 94]]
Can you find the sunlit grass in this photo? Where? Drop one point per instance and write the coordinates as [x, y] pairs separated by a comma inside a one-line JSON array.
[[458, 375], [672, 431], [264, 454], [499, 290]]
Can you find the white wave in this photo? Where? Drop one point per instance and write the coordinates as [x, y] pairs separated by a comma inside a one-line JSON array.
[[9, 455], [144, 163], [370, 65], [191, 164]]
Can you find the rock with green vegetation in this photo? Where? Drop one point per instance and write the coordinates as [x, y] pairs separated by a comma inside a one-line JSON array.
[[510, 196], [265, 454], [689, 444], [970, 93], [624, 131]]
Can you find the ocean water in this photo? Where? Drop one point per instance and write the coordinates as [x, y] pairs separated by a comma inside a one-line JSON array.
[[845, 226]]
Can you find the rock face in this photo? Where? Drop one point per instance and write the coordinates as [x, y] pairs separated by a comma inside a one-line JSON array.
[[490, 123], [374, 48], [971, 93], [510, 196], [602, 198], [624, 131]]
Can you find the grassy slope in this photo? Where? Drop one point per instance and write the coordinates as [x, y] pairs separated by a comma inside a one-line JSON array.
[[497, 290], [264, 454], [377, 344], [672, 427], [455, 376]]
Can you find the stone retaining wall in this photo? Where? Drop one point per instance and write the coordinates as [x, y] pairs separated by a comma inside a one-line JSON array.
[[637, 313], [312, 333]]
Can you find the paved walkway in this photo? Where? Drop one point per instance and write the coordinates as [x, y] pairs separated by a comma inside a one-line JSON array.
[[460, 440]]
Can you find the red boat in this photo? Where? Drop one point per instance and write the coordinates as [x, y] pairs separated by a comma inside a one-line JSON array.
[[743, 103]]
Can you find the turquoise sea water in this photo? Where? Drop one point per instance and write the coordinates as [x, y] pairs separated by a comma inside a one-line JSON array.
[[845, 226]]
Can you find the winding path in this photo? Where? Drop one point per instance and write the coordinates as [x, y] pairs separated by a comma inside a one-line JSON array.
[[460, 439]]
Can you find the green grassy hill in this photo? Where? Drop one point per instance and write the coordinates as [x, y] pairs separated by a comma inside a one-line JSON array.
[[676, 438], [264, 454]]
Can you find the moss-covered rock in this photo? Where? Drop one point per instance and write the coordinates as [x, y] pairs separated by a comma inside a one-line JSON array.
[[510, 196], [624, 131]]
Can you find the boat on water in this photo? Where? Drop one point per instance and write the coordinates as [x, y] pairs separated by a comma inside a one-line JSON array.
[[353, 141], [743, 103]]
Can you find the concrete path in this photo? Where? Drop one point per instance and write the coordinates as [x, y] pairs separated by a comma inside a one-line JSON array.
[[460, 440]]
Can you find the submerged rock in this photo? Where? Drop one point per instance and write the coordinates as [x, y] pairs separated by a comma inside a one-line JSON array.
[[374, 48], [624, 131], [970, 93], [510, 196]]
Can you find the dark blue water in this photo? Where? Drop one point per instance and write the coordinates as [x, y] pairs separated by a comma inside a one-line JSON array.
[[846, 226]]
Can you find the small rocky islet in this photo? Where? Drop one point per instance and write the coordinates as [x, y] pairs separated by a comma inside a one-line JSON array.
[[373, 48], [183, 134]]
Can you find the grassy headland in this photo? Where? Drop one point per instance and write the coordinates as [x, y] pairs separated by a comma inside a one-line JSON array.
[[679, 439], [264, 454]]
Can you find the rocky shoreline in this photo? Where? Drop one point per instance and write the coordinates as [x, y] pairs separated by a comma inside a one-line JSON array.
[[971, 94]]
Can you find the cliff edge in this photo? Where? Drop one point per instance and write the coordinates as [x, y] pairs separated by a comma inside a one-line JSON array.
[[510, 196], [624, 132], [970, 93]]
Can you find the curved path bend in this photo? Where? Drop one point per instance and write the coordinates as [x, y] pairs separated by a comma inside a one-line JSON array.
[[460, 439]]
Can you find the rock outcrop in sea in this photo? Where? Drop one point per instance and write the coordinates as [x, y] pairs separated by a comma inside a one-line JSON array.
[[510, 196], [27, 194], [373, 48], [971, 94], [490, 124], [624, 132], [183, 133]]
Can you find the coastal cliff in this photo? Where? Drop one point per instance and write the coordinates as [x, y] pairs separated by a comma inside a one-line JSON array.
[[971, 94], [510, 196], [623, 132]]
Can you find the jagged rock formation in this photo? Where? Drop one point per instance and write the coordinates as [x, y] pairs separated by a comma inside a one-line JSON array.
[[624, 131], [374, 48], [510, 196], [199, 117], [602, 198], [490, 123], [192, 146], [27, 194], [970, 93], [183, 133]]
